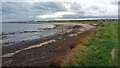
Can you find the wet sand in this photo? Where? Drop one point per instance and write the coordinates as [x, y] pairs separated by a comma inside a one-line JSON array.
[[49, 51]]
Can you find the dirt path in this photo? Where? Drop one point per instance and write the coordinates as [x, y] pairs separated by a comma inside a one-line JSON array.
[[113, 54], [47, 51]]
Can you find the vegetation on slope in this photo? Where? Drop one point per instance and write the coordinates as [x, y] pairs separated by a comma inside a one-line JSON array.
[[97, 51]]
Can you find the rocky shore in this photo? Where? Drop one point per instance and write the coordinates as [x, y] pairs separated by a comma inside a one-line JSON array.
[[48, 51]]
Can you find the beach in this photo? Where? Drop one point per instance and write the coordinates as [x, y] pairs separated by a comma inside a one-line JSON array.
[[47, 51]]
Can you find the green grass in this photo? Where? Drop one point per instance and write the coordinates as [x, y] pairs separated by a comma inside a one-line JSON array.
[[97, 51]]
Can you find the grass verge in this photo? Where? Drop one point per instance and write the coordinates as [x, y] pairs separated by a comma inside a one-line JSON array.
[[97, 51]]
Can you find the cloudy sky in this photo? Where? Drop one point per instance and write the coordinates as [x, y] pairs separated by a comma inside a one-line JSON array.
[[42, 10]]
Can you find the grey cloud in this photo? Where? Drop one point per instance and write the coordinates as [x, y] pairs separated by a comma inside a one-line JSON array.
[[50, 6], [82, 16], [36, 7], [73, 16], [20, 11], [75, 6], [15, 7], [114, 3], [103, 10], [93, 7]]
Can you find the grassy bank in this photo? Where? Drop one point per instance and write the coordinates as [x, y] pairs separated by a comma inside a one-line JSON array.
[[97, 51]]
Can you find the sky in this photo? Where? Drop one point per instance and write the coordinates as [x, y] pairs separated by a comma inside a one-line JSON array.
[[44, 10]]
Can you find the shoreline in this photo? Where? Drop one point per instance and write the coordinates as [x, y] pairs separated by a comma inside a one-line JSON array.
[[16, 37], [31, 53]]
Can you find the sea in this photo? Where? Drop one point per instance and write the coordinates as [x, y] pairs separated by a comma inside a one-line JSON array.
[[19, 32]]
